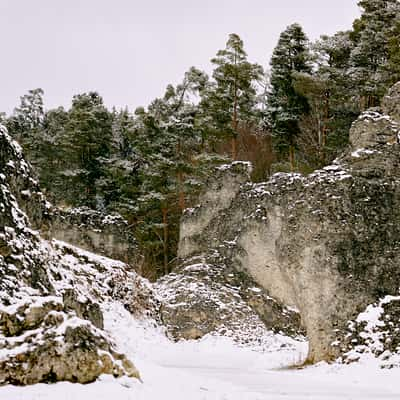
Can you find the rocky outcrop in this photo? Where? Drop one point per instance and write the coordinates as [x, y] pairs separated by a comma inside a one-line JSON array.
[[391, 102], [205, 296], [51, 293], [373, 127], [376, 332], [326, 244], [43, 343], [108, 235]]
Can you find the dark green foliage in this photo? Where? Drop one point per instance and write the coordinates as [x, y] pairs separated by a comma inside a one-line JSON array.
[[372, 35], [150, 165], [231, 98], [285, 105], [26, 123], [89, 130]]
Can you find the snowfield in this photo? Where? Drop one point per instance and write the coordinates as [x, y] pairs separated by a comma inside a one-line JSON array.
[[215, 368]]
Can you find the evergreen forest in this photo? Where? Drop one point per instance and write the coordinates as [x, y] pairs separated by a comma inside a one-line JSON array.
[[151, 163]]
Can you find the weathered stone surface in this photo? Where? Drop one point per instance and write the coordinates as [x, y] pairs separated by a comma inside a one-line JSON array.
[[108, 235], [23, 193], [205, 296], [45, 344], [50, 293], [222, 189], [373, 127], [327, 244], [391, 102], [375, 331], [84, 308]]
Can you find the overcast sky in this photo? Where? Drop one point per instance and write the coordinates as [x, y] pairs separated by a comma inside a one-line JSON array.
[[129, 50]]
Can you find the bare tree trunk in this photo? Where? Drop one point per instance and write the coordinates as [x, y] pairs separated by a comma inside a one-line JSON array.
[[234, 126], [235, 119], [181, 194], [325, 127], [165, 239], [291, 157]]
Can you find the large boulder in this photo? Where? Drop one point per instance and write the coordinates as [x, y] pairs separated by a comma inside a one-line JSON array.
[[371, 128], [327, 244], [44, 343], [206, 296]]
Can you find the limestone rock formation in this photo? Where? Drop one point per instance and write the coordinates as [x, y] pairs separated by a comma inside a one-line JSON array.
[[373, 127], [327, 244], [107, 235], [391, 102], [206, 296], [43, 343], [376, 331], [51, 293]]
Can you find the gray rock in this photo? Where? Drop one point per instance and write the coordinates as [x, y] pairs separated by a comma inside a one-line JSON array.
[[108, 235], [206, 296], [47, 345], [371, 128], [50, 293], [327, 244], [85, 309], [391, 102]]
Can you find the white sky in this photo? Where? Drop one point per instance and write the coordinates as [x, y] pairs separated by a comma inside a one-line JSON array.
[[129, 50]]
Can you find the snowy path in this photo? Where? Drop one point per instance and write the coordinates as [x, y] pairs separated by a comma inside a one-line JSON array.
[[216, 369]]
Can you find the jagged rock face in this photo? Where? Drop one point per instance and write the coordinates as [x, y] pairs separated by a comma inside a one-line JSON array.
[[51, 294], [391, 102], [91, 230], [45, 344], [108, 235], [19, 190], [375, 331], [205, 296], [327, 243], [373, 127]]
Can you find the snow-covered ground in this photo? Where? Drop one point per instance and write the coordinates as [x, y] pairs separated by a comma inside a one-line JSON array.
[[216, 369]]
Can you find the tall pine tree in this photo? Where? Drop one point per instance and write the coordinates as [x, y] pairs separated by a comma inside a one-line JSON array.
[[232, 98], [373, 33], [285, 105]]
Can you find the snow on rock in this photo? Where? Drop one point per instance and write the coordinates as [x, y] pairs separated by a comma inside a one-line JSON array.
[[373, 127], [376, 332], [326, 243], [205, 296], [108, 235], [55, 298], [51, 293]]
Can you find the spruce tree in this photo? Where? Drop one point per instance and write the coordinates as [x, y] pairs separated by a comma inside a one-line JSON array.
[[89, 131], [166, 139], [332, 54], [285, 105], [26, 124]]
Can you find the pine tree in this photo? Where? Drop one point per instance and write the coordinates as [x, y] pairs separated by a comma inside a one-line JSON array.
[[89, 131], [332, 55], [54, 155], [166, 139], [285, 105], [372, 34], [26, 123], [231, 99]]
